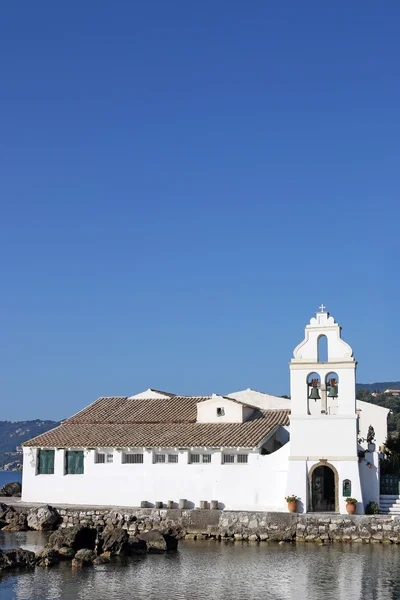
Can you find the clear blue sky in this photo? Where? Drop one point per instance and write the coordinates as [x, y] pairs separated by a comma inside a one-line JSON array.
[[182, 184]]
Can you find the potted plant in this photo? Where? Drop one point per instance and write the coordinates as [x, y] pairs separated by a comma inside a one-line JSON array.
[[371, 439], [351, 505], [372, 508], [292, 502]]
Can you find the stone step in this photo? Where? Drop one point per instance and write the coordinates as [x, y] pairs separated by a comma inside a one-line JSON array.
[[389, 497], [390, 500]]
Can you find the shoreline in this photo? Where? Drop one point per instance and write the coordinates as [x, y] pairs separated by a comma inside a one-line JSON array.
[[223, 524]]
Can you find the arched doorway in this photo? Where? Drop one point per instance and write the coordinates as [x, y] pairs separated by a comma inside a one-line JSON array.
[[323, 490]]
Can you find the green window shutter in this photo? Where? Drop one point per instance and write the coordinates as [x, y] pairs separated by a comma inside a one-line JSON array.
[[46, 462], [79, 463], [51, 462], [74, 462], [41, 469]]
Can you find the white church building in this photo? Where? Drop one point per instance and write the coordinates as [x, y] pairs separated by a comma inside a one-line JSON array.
[[243, 451]]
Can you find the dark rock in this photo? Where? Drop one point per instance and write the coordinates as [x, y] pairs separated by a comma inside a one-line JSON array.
[[76, 537], [3, 511], [85, 556], [44, 518], [11, 489], [16, 558], [14, 528], [66, 553], [115, 540], [137, 546], [15, 519], [76, 564], [102, 559], [47, 558], [158, 542]]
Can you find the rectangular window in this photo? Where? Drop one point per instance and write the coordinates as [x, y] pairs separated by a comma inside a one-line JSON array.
[[195, 459], [132, 459], [110, 458], [228, 459], [100, 458], [46, 462], [159, 458], [231, 459], [74, 462]]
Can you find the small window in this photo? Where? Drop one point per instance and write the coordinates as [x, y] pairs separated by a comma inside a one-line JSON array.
[[74, 462], [231, 459], [132, 458], [159, 459], [228, 459], [195, 459], [100, 458], [46, 462], [110, 457], [165, 458], [220, 411], [346, 487]]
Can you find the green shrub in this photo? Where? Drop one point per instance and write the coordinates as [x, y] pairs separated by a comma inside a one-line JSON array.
[[372, 508]]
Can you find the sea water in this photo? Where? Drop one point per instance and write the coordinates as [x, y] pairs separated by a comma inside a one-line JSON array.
[[210, 570]]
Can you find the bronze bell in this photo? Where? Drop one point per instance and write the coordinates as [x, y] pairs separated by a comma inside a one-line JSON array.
[[314, 394], [333, 389]]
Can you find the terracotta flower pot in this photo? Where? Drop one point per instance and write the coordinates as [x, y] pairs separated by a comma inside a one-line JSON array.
[[292, 506], [351, 508]]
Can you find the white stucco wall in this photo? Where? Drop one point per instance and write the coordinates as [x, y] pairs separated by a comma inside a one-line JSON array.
[[261, 400], [323, 436], [258, 485], [369, 475], [233, 412], [371, 414], [298, 482]]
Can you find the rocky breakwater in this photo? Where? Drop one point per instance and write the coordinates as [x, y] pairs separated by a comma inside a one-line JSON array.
[[88, 545], [82, 544]]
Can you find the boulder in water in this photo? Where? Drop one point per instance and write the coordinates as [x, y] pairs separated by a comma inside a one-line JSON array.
[[115, 540], [44, 518], [12, 519], [77, 537], [16, 558], [158, 542], [66, 553], [83, 557], [47, 558]]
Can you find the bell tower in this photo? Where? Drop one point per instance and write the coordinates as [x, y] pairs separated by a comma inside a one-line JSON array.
[[323, 422]]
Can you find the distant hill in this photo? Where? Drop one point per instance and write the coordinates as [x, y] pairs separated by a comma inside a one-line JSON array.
[[14, 433], [379, 386]]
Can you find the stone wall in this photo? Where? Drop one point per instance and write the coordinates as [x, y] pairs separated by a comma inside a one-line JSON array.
[[219, 524], [243, 526]]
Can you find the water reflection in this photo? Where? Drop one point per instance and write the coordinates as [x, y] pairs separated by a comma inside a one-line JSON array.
[[223, 571]]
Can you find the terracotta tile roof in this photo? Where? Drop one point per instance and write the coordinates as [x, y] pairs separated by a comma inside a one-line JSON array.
[[119, 409], [122, 422]]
